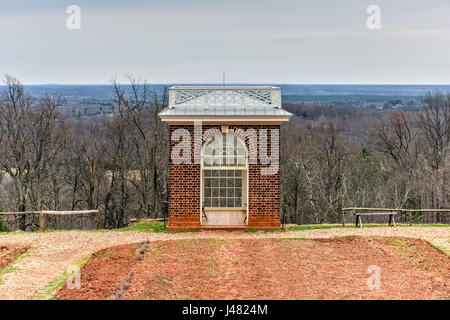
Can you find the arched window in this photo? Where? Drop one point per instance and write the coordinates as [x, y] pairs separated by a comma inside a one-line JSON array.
[[224, 167]]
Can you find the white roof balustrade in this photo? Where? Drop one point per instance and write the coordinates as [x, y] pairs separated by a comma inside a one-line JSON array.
[[236, 103]]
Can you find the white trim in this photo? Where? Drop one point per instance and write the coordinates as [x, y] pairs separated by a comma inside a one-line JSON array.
[[237, 119], [246, 169], [223, 87]]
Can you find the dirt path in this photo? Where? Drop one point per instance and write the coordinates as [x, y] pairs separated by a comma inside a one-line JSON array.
[[266, 269], [52, 253], [9, 254]]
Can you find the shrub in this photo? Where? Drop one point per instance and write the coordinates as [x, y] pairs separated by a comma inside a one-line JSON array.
[[3, 226]]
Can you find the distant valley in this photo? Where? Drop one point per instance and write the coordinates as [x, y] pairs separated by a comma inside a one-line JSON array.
[[89, 100]]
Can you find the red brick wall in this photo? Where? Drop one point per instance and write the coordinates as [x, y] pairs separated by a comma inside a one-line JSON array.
[[184, 187]]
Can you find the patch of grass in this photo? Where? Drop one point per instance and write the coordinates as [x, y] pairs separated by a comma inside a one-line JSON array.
[[345, 236], [400, 243], [12, 232], [442, 249], [12, 266], [347, 226], [216, 244], [145, 226], [288, 239], [154, 250], [408, 250], [312, 227], [211, 273], [8, 269], [106, 255], [264, 230], [424, 225], [187, 230], [185, 242], [158, 227], [50, 289], [306, 227], [352, 226], [150, 226]]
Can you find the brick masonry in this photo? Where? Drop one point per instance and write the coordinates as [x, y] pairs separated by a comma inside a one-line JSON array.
[[184, 183]]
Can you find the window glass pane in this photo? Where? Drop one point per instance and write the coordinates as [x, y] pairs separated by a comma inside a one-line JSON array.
[[223, 191], [225, 150], [207, 162], [222, 188]]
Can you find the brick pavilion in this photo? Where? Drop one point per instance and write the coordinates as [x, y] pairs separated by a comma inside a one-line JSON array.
[[224, 156]]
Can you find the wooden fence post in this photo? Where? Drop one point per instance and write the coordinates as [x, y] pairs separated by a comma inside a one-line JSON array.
[[96, 220], [410, 218], [343, 217], [42, 221]]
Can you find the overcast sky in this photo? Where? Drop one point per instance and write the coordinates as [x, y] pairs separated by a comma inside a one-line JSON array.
[[255, 41]]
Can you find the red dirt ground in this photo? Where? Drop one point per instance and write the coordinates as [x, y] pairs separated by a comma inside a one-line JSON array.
[[267, 269], [9, 253]]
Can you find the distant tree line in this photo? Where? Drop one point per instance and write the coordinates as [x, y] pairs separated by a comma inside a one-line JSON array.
[[340, 157], [117, 164], [331, 157]]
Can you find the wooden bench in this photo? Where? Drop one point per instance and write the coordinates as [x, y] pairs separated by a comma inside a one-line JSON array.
[[390, 214]]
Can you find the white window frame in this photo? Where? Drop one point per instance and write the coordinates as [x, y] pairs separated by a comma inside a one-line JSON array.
[[245, 179]]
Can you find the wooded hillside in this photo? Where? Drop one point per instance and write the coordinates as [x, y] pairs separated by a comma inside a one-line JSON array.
[[331, 157]]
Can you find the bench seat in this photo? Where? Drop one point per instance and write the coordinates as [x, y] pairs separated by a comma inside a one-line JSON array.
[[375, 213], [366, 214]]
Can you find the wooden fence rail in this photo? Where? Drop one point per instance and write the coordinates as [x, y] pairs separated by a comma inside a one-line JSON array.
[[354, 210], [43, 213]]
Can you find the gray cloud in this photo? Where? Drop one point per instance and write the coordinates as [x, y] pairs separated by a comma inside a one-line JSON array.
[[322, 41]]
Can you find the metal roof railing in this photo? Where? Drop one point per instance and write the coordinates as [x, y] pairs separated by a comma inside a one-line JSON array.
[[232, 96]]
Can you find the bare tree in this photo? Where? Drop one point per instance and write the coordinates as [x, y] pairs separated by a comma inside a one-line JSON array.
[[31, 139], [139, 109], [435, 123], [333, 153], [395, 137]]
